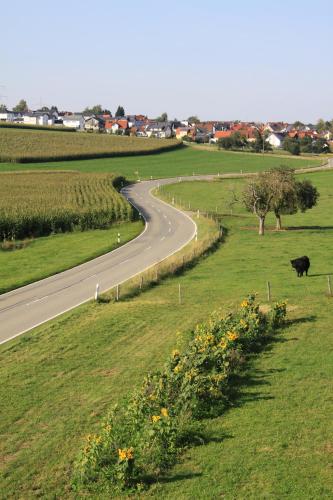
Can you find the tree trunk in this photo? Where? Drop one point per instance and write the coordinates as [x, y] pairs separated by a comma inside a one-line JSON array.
[[278, 222], [261, 226]]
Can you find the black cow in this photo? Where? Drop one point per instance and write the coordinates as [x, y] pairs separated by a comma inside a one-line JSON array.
[[301, 265]]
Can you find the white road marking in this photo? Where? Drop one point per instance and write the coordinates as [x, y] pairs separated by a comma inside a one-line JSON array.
[[163, 238], [169, 229], [169, 223], [148, 248], [32, 302], [164, 216], [124, 261]]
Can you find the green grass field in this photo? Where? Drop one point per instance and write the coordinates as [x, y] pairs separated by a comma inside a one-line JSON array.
[[275, 441], [39, 259], [183, 161]]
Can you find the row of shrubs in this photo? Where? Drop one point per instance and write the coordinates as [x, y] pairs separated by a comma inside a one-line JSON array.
[[141, 439]]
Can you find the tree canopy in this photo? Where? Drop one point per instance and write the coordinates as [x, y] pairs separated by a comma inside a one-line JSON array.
[[279, 192], [120, 111], [96, 110], [193, 119], [21, 106], [3, 108], [163, 117], [260, 144], [234, 141]]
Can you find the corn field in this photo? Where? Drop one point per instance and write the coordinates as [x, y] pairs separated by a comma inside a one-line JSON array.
[[23, 146], [36, 204]]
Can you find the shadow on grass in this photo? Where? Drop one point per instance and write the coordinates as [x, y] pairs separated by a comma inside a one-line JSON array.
[[322, 274], [302, 228], [179, 477]]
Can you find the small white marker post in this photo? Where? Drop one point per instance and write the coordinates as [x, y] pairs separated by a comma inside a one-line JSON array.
[[117, 293], [218, 174], [198, 214], [173, 200], [118, 237], [97, 291], [196, 235], [179, 295], [151, 177], [329, 286]]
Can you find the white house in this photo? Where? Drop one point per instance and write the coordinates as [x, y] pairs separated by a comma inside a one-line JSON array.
[[275, 140], [7, 116], [73, 121], [35, 118], [93, 123]]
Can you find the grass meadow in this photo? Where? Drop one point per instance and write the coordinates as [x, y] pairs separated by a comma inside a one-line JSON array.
[[275, 441], [48, 255], [180, 162]]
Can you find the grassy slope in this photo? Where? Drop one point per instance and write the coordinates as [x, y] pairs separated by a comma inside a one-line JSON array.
[[59, 380], [184, 161], [53, 254]]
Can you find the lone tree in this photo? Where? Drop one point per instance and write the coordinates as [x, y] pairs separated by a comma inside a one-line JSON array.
[[120, 111], [278, 191], [163, 117], [193, 119], [283, 185], [258, 197], [21, 106], [261, 144]]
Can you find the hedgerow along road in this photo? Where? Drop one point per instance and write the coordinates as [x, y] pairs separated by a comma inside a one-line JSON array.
[[166, 231]]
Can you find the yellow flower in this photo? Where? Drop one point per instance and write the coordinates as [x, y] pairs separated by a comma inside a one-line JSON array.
[[155, 418], [125, 454], [122, 454], [164, 412], [177, 369], [245, 303], [108, 427], [223, 344], [232, 336], [175, 353], [243, 323]]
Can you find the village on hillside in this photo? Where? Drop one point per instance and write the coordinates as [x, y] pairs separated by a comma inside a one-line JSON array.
[[295, 138]]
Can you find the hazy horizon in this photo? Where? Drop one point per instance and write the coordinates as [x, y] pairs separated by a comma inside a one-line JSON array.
[[251, 62]]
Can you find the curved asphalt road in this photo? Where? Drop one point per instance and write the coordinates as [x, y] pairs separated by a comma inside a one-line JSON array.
[[167, 230]]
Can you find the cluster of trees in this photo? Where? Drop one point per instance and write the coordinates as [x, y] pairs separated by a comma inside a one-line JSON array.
[[98, 110], [279, 192], [305, 145], [238, 141]]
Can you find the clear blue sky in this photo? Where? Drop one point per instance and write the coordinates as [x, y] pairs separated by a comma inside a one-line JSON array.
[[247, 60]]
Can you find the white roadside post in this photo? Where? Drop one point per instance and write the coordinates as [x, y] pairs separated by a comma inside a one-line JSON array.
[[97, 292], [196, 235], [118, 237]]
